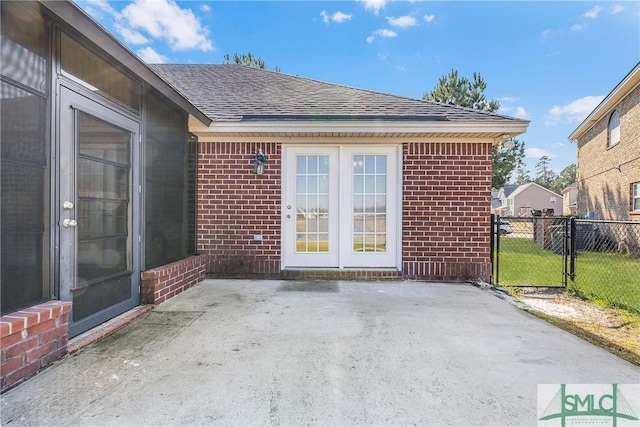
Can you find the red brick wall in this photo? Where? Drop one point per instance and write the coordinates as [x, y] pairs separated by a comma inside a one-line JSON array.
[[446, 211], [31, 339], [234, 204], [164, 282]]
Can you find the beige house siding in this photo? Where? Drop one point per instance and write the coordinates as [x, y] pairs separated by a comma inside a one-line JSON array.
[[603, 188], [569, 200], [534, 197]]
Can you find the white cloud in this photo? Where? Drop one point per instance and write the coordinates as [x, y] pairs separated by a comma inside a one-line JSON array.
[[340, 17], [403, 21], [593, 12], [205, 8], [104, 6], [616, 9], [150, 56], [536, 153], [164, 19], [548, 33], [518, 112], [325, 17], [131, 36], [337, 17], [557, 145], [577, 27], [573, 112], [374, 5], [429, 18], [96, 8], [521, 113], [381, 33], [508, 99]]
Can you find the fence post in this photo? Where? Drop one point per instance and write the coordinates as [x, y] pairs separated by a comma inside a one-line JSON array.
[[573, 249], [491, 248], [495, 233], [566, 244]]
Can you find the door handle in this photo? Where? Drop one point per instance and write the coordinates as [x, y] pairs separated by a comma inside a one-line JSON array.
[[69, 223]]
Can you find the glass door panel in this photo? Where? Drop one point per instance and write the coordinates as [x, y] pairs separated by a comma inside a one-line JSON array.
[[310, 214], [370, 209], [104, 247], [312, 207]]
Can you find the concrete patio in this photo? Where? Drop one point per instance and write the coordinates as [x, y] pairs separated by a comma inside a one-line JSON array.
[[242, 352]]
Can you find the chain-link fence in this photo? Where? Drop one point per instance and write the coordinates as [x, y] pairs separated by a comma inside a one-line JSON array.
[[529, 251], [606, 265], [598, 260]]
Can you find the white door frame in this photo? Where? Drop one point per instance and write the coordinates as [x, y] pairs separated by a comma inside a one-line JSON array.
[[341, 253]]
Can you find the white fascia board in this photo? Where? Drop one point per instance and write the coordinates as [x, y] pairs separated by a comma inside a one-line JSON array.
[[628, 84], [383, 127]]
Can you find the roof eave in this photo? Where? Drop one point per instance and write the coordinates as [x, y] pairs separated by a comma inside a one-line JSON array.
[[627, 84], [379, 127], [75, 17]]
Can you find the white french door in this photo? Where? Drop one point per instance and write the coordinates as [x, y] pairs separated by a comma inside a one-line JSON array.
[[340, 207]]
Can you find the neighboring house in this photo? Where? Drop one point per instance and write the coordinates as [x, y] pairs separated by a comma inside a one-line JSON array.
[[530, 199], [570, 199], [95, 183], [357, 182], [500, 201], [608, 142], [107, 197]]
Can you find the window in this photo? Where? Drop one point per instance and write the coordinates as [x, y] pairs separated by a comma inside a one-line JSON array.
[[92, 71], [166, 198], [635, 196], [613, 130], [552, 200], [23, 155]]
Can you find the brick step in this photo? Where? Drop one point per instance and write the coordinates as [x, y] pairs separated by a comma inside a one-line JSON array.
[[341, 274]]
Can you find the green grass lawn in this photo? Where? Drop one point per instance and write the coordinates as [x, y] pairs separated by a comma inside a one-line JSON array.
[[524, 263], [612, 278]]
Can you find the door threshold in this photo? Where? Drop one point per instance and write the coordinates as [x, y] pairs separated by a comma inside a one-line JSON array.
[[107, 328], [368, 274]]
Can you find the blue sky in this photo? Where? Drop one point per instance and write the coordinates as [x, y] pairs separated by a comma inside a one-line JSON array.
[[549, 62]]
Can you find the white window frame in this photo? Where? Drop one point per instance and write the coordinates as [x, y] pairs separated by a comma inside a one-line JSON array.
[[635, 197], [613, 129]]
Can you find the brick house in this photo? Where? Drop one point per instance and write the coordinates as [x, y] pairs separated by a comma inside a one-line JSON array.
[[608, 143], [357, 184], [119, 190]]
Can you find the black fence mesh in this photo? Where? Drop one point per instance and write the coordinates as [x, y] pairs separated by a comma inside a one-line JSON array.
[[599, 260], [607, 262], [529, 251]]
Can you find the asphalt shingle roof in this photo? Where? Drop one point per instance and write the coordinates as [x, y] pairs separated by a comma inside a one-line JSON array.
[[230, 92]]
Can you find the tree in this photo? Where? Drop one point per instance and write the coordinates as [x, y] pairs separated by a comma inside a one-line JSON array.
[[545, 176], [505, 161], [523, 175], [249, 60], [462, 92], [565, 178]]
